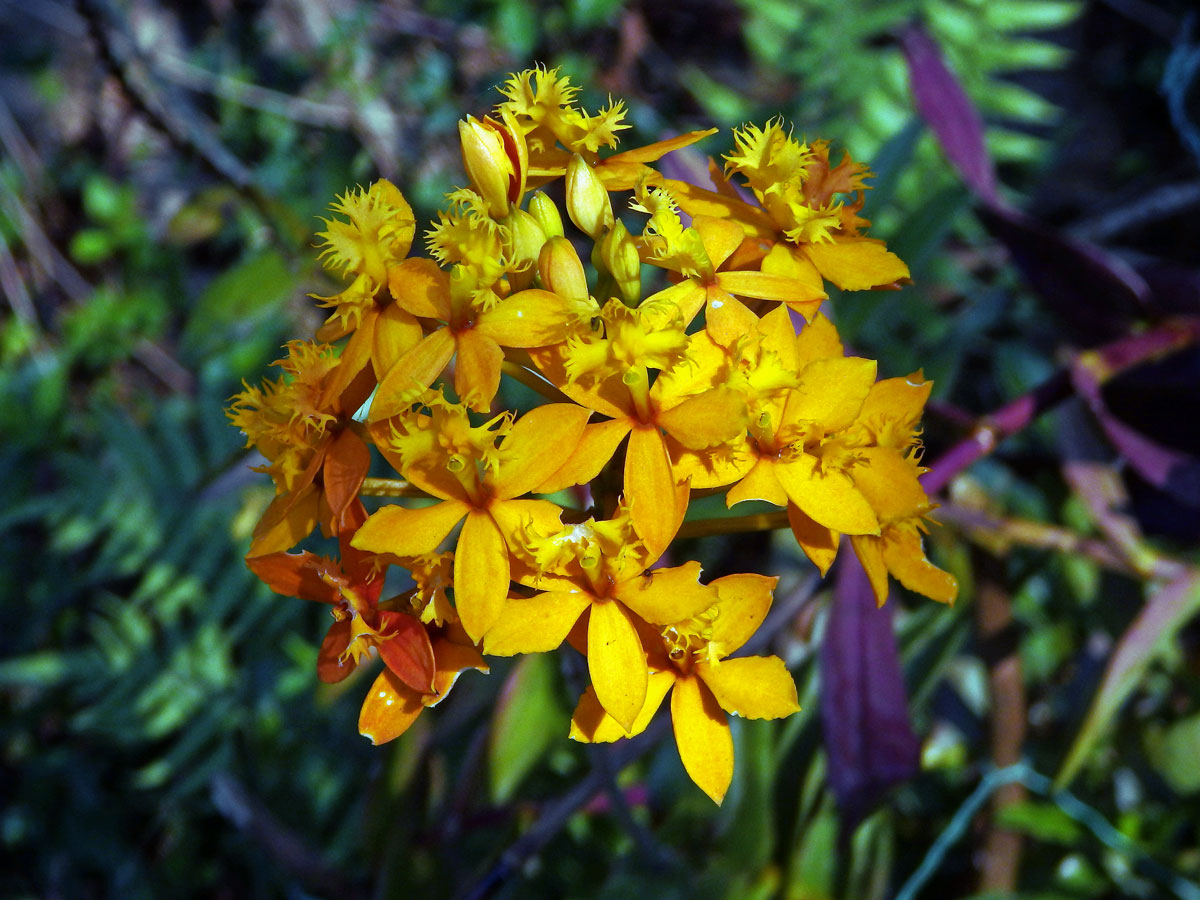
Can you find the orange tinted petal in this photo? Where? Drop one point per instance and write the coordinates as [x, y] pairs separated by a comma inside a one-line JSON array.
[[742, 603], [330, 668], [650, 489], [421, 288], [346, 465], [616, 662], [765, 286], [477, 373], [407, 650], [532, 318], [452, 659], [481, 574], [702, 736], [719, 236], [726, 318], [286, 522], [906, 559], [592, 725], [714, 417], [409, 532], [817, 340], [412, 374], [667, 595], [889, 482], [294, 575], [396, 332], [535, 624], [828, 496], [597, 444], [820, 544], [869, 551], [536, 446], [389, 709], [760, 483], [856, 264], [354, 358], [754, 687]]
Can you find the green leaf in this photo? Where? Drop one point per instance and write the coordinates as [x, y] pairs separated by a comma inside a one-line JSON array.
[[1043, 821], [1168, 610], [527, 719], [1174, 753]]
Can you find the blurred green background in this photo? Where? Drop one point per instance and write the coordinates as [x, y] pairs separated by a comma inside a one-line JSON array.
[[162, 732]]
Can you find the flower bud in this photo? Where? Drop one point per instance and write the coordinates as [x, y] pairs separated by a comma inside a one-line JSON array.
[[487, 162], [618, 254], [543, 209], [587, 199], [561, 270]]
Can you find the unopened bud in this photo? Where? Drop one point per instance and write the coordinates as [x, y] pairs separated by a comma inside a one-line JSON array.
[[527, 238], [587, 199], [543, 209], [487, 163], [561, 270], [619, 256]]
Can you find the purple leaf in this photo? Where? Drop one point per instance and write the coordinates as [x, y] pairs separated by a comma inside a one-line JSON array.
[[1169, 470], [864, 707], [949, 112]]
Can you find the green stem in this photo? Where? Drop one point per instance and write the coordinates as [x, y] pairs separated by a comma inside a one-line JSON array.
[[734, 524], [389, 487]]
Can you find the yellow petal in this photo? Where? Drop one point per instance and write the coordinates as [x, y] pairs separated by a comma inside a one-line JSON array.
[[535, 624], [714, 467], [831, 392], [536, 446], [697, 201], [906, 559], [713, 417], [481, 574], [726, 318], [779, 337], [451, 659], [893, 408], [869, 551], [818, 340], [355, 356], [786, 261], [856, 264], [754, 687], [609, 397], [702, 736], [764, 286], [421, 288], [828, 496], [412, 373], [670, 595], [889, 482], [616, 662], [532, 318], [719, 236], [742, 603], [596, 447], [760, 483], [651, 152], [477, 372], [820, 544], [390, 708], [592, 725], [396, 332], [409, 532], [286, 522], [650, 489]]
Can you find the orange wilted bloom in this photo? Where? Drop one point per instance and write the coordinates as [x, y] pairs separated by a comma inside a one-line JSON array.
[[690, 656]]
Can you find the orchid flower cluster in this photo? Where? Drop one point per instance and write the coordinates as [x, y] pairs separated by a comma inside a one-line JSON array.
[[520, 532]]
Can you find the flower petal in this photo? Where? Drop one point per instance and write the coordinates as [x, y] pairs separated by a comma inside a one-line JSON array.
[[477, 372], [390, 708], [889, 482], [535, 624], [906, 559], [760, 483], [597, 444], [590, 724], [765, 286], [702, 736], [452, 659], [665, 596], [532, 318], [481, 574], [726, 318], [754, 687], [831, 392], [820, 544], [409, 532], [346, 465], [817, 340], [412, 374], [355, 356], [294, 575], [713, 417], [719, 236], [616, 662], [650, 489], [286, 522], [828, 496], [856, 264], [742, 604], [330, 668], [869, 550], [536, 446], [421, 288], [407, 650], [396, 332]]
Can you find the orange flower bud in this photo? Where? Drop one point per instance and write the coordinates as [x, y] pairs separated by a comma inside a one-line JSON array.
[[561, 270], [587, 199], [494, 156]]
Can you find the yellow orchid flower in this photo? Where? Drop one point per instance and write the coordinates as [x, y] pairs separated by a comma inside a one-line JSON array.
[[690, 657]]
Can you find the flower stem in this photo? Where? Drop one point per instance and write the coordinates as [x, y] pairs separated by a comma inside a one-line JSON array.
[[389, 487], [734, 524]]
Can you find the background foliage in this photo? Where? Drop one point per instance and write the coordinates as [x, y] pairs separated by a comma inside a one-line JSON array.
[[162, 730]]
